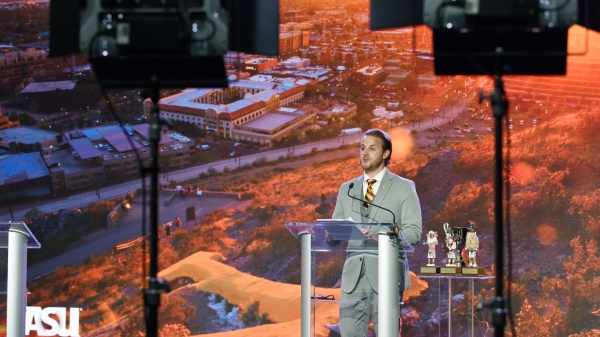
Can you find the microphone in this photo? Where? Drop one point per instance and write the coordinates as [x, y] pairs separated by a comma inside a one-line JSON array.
[[366, 203]]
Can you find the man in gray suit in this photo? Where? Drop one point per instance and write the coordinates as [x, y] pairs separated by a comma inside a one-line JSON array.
[[380, 187]]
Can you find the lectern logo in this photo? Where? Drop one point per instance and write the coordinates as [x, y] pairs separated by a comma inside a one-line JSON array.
[[41, 321]]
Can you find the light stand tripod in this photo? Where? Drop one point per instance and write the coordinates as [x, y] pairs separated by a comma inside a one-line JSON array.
[[155, 286], [500, 109]]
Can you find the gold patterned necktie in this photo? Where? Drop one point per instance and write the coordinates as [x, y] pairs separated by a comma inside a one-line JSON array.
[[370, 195]]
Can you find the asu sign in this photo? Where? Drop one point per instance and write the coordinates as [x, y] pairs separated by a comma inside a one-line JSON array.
[[52, 321]]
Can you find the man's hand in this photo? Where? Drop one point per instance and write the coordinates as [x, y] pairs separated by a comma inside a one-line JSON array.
[[368, 233], [330, 241]]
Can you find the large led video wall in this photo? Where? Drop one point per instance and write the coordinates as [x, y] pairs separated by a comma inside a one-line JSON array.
[[226, 193]]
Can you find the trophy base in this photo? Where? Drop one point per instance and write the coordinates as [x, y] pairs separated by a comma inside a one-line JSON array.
[[430, 270], [474, 271], [450, 270]]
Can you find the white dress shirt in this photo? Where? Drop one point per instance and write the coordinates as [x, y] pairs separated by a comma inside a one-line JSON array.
[[378, 177]]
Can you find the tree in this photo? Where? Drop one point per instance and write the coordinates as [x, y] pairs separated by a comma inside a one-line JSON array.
[[574, 295], [134, 326], [467, 200], [175, 330], [165, 162], [58, 127], [364, 107], [586, 206], [23, 118], [252, 316], [531, 323], [314, 90], [366, 125], [33, 214]]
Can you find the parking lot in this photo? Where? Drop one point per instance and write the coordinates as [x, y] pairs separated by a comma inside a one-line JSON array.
[[227, 149]]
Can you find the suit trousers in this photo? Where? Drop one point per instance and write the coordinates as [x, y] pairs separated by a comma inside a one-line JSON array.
[[360, 306]]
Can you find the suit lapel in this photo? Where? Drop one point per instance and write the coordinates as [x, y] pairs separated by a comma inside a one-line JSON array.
[[384, 187], [357, 193]]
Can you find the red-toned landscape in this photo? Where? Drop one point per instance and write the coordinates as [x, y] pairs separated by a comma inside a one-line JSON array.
[[236, 271]]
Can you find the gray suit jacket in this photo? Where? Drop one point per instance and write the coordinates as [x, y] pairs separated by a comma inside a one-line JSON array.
[[396, 194]]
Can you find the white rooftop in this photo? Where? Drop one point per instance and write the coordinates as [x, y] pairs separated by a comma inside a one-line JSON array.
[[49, 86], [260, 60], [370, 70], [269, 121], [267, 89], [290, 110]]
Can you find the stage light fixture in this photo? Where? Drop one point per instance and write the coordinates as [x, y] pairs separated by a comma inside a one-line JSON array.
[[180, 42], [475, 37]]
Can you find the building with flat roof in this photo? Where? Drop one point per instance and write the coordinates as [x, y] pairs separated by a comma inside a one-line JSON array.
[[428, 81], [74, 72], [23, 175], [28, 139], [256, 65], [381, 112], [205, 108], [313, 73], [394, 34], [374, 74], [49, 86], [293, 40], [54, 95], [273, 126], [20, 67], [40, 45], [345, 110], [269, 123], [96, 155], [295, 63]]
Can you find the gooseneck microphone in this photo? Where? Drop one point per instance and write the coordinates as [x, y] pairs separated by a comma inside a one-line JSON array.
[[366, 203]]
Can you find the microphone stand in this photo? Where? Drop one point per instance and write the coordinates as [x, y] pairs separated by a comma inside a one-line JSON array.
[[500, 109], [396, 232]]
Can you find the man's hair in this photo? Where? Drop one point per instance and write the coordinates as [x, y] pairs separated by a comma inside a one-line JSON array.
[[385, 140]]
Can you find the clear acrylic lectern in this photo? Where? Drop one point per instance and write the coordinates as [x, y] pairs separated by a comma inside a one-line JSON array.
[[343, 236]]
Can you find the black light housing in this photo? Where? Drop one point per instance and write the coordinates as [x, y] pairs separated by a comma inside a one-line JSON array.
[[474, 37], [181, 43]]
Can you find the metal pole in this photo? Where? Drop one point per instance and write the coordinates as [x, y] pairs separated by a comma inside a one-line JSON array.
[[471, 306], [449, 307], [17, 281], [388, 304], [305, 283], [500, 109], [439, 306]]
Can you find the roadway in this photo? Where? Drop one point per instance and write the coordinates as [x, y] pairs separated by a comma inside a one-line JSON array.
[[115, 191]]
